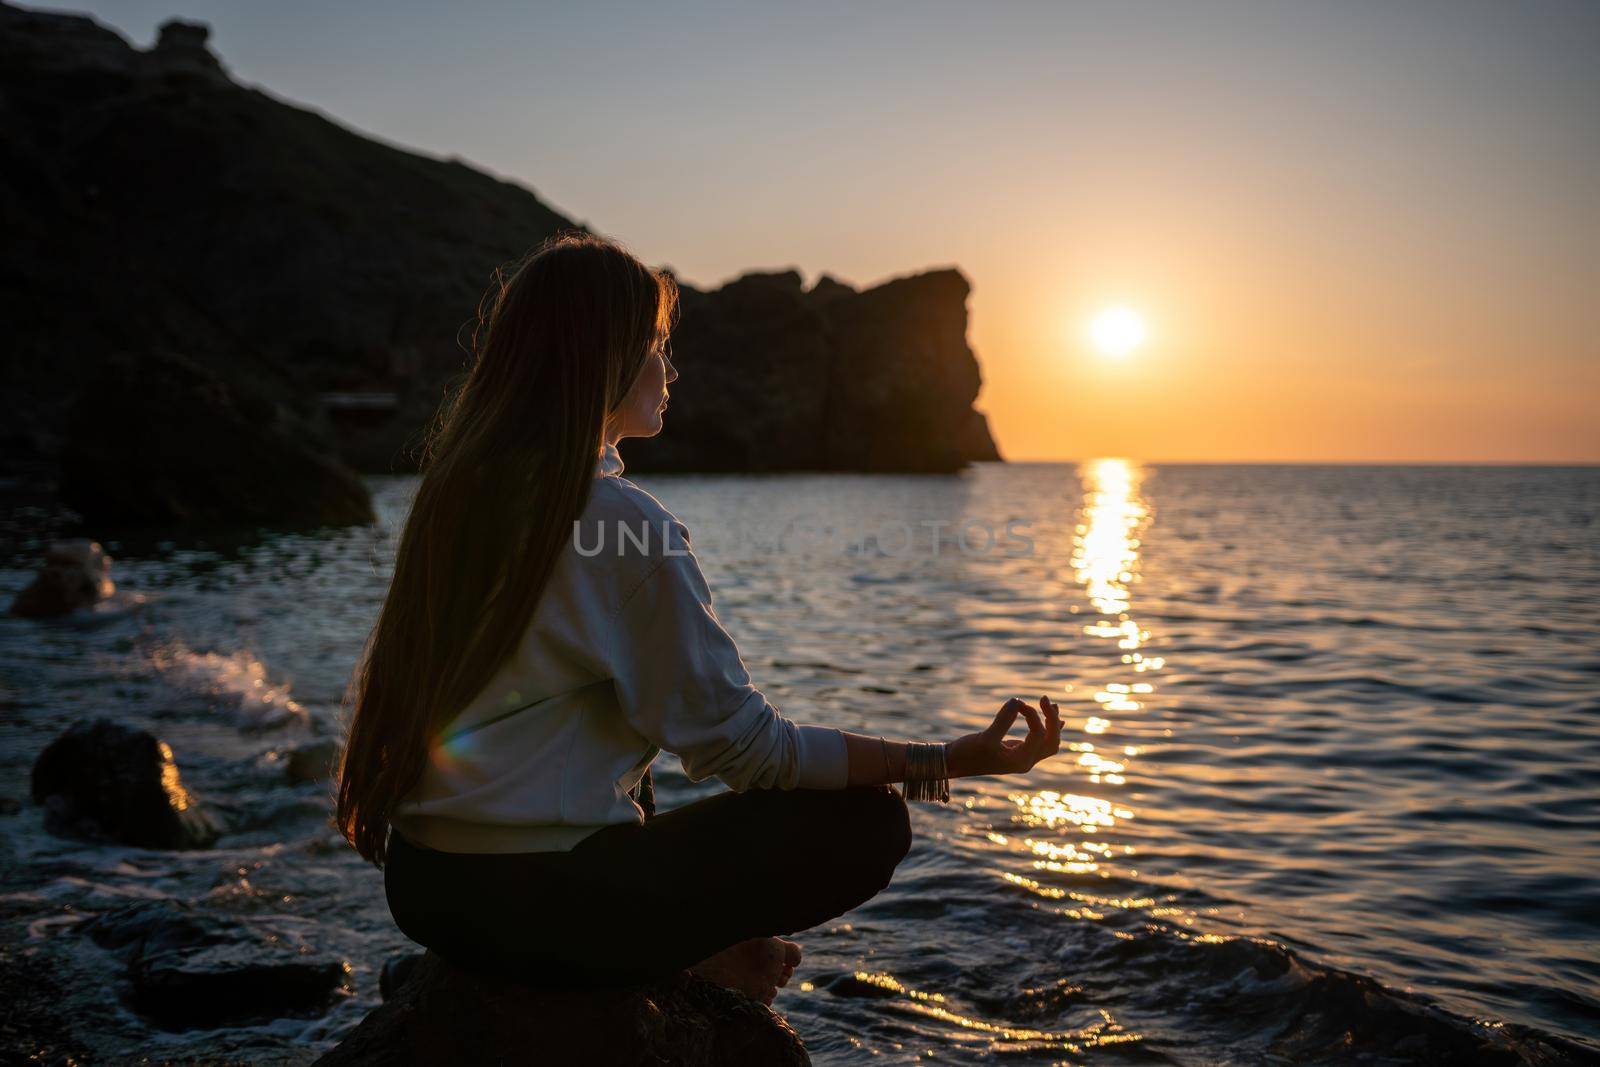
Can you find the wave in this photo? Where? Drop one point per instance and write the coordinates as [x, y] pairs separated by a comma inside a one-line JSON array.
[[1260, 995], [1246, 999], [238, 680]]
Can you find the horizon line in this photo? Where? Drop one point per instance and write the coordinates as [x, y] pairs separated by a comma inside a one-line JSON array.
[[1580, 463]]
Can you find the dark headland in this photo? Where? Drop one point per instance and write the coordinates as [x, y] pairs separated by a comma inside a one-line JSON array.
[[220, 307]]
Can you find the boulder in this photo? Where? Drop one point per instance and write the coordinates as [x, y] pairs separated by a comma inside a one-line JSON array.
[[75, 575], [189, 968], [102, 781], [442, 1014], [33, 1027]]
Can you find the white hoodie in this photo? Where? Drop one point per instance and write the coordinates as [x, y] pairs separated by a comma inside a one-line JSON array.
[[623, 657]]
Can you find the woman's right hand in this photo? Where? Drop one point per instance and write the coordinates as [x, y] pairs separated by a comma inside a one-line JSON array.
[[991, 752]]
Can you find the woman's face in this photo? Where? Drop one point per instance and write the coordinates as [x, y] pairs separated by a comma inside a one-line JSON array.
[[640, 413]]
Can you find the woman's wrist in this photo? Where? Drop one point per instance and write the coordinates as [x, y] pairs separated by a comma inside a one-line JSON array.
[[957, 761], [874, 760]]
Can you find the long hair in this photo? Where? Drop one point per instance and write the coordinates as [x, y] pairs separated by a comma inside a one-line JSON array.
[[506, 470]]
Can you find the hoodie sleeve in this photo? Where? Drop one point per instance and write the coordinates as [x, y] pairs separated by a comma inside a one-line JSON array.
[[681, 684]]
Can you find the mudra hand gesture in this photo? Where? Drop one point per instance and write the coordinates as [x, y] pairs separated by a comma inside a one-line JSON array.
[[990, 751]]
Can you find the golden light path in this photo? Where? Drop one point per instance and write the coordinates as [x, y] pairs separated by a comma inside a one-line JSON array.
[[1105, 562]]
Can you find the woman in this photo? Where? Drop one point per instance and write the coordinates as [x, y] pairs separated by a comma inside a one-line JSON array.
[[528, 664]]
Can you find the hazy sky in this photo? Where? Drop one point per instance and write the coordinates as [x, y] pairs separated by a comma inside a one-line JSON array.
[[1357, 231]]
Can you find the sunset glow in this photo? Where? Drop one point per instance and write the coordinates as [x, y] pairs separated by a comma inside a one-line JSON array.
[[1382, 258], [1117, 331]]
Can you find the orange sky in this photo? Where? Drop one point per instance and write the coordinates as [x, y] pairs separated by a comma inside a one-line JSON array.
[[1364, 233]]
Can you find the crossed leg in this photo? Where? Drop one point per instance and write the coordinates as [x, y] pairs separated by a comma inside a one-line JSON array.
[[635, 903]]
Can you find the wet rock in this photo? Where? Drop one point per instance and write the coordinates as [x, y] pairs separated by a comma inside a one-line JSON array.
[[102, 781], [75, 575], [397, 970], [232, 984], [190, 968], [446, 1015], [313, 762], [33, 1028]]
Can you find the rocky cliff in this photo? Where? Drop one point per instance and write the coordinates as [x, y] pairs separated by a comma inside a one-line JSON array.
[[192, 266], [775, 377]]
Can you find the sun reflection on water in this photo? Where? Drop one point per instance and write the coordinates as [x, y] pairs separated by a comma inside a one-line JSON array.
[[1106, 551], [1059, 840], [1105, 561], [1003, 1038]]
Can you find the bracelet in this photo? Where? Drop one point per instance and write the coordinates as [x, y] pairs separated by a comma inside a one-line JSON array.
[[927, 773]]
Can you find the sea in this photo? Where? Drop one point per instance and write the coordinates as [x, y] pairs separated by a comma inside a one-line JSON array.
[[1328, 789]]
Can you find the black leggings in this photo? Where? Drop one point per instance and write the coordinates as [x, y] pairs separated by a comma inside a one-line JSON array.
[[633, 903]]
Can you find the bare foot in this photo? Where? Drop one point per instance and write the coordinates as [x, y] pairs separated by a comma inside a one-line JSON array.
[[756, 967]]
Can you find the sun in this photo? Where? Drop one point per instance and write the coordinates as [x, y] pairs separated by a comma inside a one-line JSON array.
[[1117, 331]]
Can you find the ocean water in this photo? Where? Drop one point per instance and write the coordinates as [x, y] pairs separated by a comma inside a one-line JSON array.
[[1329, 788]]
